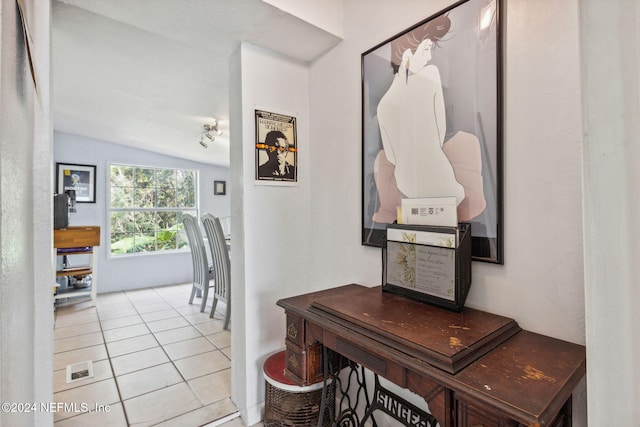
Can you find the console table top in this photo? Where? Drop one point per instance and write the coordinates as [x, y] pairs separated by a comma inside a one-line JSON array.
[[448, 339]]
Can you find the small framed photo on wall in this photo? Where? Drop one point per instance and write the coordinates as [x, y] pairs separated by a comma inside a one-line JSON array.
[[219, 188]]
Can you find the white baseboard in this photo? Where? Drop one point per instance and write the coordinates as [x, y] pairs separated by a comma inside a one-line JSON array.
[[254, 414]]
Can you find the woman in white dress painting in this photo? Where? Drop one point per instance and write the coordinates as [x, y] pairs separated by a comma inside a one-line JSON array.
[[414, 161]]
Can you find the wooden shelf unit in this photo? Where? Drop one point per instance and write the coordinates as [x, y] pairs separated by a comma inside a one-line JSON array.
[[77, 237]]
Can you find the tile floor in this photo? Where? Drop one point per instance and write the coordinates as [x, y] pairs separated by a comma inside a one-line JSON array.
[[157, 361]]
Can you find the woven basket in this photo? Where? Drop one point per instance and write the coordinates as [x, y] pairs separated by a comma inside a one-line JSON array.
[[287, 408]]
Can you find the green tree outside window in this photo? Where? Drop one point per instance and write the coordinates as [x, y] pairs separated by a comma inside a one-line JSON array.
[[146, 207]]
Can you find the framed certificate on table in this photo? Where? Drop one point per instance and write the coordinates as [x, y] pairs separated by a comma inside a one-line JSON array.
[[428, 263]]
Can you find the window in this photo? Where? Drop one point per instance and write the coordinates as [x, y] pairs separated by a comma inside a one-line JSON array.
[[146, 206]]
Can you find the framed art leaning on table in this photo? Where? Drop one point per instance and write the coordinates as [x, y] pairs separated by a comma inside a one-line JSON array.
[[432, 123]]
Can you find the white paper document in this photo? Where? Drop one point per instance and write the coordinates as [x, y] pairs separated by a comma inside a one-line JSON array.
[[432, 238], [440, 211]]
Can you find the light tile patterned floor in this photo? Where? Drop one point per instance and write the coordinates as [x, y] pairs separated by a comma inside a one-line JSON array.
[[157, 361]]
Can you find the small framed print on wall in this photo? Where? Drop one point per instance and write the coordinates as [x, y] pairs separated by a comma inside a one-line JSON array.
[[219, 188], [79, 178], [276, 149]]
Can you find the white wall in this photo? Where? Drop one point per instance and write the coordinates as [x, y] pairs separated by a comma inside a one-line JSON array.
[[273, 259], [26, 237], [327, 14], [612, 208], [132, 272]]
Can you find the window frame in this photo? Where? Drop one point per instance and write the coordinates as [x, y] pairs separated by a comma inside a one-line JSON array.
[[109, 210]]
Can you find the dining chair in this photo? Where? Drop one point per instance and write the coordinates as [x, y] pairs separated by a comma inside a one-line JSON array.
[[225, 223], [202, 274], [221, 264]]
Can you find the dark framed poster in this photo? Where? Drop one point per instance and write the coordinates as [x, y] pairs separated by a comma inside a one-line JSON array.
[[432, 123], [276, 149], [79, 178]]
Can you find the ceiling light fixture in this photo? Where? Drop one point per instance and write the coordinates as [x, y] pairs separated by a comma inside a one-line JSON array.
[[204, 144], [208, 129], [213, 127]]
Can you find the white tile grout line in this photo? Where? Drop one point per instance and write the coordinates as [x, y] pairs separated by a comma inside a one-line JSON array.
[[223, 420], [113, 372]]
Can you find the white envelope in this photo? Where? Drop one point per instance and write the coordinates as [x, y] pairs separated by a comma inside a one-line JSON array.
[[441, 211]]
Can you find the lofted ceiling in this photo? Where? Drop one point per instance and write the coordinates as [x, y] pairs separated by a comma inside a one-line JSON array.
[[150, 73]]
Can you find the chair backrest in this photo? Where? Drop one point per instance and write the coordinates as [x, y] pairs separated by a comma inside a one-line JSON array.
[[220, 254], [225, 223], [198, 251]]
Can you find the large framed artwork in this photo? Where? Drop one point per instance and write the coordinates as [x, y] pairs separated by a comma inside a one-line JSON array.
[[432, 122]]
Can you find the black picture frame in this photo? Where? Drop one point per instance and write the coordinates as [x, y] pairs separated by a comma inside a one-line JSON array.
[[77, 177], [456, 64], [219, 188]]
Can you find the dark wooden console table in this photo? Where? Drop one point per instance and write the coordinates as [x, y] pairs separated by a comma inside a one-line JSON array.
[[473, 368]]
